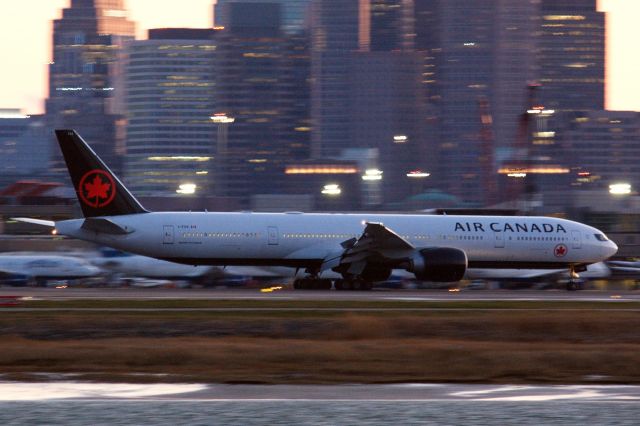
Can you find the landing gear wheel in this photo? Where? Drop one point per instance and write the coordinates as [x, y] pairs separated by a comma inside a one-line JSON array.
[[573, 284], [353, 283], [311, 284], [323, 284]]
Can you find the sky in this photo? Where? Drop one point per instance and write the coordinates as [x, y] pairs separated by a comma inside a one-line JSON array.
[[25, 45]]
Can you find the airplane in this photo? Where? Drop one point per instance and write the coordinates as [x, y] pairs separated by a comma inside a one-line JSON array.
[[21, 269], [133, 265], [363, 248]]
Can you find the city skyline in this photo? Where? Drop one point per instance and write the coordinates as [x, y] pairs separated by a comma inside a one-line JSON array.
[[24, 79]]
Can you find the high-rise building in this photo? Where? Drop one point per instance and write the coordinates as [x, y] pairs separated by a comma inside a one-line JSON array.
[[515, 68], [295, 13], [169, 101], [24, 145], [604, 147], [461, 52], [392, 25], [367, 91], [339, 29], [478, 64], [571, 55], [262, 84], [86, 43], [387, 114]]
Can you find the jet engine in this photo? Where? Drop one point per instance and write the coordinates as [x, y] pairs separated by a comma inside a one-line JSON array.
[[439, 264]]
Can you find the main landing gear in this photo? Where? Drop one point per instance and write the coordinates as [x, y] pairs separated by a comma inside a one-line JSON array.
[[311, 283], [356, 284], [314, 283]]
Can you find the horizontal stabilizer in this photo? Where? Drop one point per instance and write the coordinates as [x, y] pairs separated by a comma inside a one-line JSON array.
[[105, 226], [41, 222]]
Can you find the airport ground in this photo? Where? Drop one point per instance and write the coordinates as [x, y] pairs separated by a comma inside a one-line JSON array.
[[289, 337]]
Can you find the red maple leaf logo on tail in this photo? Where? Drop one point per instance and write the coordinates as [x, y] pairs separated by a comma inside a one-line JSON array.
[[97, 188]]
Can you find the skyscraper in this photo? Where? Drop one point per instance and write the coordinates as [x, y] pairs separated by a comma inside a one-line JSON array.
[[461, 52], [606, 148], [169, 101], [571, 55], [339, 29], [261, 76], [24, 145], [86, 43], [478, 63], [387, 114], [295, 13], [367, 90], [392, 23]]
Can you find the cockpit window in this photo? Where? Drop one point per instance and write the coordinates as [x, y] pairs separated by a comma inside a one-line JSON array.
[[601, 237]]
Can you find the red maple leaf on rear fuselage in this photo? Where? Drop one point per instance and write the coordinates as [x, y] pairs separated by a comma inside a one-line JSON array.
[[97, 189]]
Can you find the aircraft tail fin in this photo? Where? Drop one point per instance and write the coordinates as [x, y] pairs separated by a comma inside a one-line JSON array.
[[99, 191]]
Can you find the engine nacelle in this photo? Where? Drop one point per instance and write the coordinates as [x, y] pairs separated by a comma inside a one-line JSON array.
[[439, 264]]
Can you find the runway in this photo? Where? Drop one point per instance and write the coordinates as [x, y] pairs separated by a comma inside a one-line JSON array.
[[256, 294]]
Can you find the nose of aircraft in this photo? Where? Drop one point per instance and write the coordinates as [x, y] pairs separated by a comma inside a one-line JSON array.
[[611, 249]]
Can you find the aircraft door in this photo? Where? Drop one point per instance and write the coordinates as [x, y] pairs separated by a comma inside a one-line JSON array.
[[168, 234], [499, 239], [577, 239], [272, 235]]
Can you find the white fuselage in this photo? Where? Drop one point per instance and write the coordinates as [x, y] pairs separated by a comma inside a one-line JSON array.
[[303, 240], [47, 266], [144, 266]]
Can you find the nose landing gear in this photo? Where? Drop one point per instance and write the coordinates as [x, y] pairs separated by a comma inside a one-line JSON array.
[[574, 279]]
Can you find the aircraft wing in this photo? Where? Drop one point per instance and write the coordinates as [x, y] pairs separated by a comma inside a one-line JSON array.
[[377, 243], [7, 272], [13, 277], [40, 222]]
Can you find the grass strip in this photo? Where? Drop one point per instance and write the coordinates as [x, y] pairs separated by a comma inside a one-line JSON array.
[[262, 360], [315, 346]]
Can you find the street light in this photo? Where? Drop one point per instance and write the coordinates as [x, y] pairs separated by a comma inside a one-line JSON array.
[[620, 189], [372, 174], [187, 188], [223, 121], [418, 174], [331, 189]]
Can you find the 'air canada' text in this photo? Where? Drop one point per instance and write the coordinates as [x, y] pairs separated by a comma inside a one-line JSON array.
[[510, 227]]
